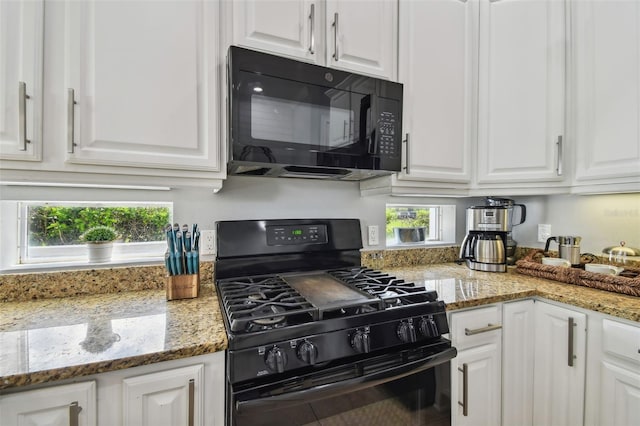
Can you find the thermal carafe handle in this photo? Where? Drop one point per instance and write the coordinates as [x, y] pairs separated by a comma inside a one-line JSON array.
[[523, 213]]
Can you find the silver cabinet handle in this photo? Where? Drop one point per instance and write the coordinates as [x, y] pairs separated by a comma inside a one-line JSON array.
[[71, 103], [192, 391], [335, 36], [489, 327], [22, 115], [406, 167], [465, 389], [570, 355], [312, 38], [560, 155], [74, 412]]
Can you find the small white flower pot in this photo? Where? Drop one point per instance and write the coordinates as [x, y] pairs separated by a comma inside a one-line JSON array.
[[100, 252]]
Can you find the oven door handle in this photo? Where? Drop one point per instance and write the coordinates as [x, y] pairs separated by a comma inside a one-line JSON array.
[[338, 388]]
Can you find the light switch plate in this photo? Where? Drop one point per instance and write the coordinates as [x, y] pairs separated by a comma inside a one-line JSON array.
[[544, 232], [373, 235]]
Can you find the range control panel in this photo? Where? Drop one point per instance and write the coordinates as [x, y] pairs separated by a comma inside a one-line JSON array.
[[296, 234]]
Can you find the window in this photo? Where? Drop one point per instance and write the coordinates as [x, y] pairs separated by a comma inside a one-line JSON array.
[[51, 231], [420, 224]]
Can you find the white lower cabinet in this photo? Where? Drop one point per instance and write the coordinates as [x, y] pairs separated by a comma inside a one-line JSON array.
[[475, 372], [188, 391], [613, 373], [517, 362], [164, 398], [63, 405]]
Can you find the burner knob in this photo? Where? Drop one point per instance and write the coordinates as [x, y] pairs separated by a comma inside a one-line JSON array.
[[406, 332], [275, 359], [307, 352], [428, 327], [360, 341]]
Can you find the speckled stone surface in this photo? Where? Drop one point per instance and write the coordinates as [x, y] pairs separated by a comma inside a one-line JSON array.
[[120, 318], [54, 339], [47, 285], [461, 287]]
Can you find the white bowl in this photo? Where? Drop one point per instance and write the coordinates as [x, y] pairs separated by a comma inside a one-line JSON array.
[[555, 261], [600, 268]]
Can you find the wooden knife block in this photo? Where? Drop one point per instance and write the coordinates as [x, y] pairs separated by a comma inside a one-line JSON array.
[[183, 286]]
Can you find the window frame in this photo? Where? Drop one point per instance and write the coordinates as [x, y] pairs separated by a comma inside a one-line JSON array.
[[76, 254], [442, 225]]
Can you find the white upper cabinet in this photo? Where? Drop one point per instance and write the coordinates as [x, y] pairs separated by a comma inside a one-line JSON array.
[[289, 28], [435, 66], [362, 37], [344, 34], [521, 91], [21, 56], [606, 44], [141, 84]]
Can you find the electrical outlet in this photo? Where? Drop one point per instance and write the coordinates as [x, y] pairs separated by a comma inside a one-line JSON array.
[[207, 242], [544, 232], [373, 235]]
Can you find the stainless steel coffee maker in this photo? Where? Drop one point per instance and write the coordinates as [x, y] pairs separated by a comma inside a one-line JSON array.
[[483, 248], [512, 206]]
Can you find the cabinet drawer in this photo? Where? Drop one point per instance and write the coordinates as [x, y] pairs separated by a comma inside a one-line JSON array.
[[621, 340], [476, 326]]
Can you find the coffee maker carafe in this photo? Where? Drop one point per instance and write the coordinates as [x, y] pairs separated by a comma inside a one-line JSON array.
[[511, 205], [483, 248]]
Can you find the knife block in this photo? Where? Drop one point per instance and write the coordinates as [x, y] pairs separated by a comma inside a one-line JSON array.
[[183, 286]]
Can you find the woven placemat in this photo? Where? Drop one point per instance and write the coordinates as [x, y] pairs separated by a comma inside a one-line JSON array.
[[531, 265]]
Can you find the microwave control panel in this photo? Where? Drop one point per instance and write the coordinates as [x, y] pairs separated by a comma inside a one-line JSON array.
[[388, 129]]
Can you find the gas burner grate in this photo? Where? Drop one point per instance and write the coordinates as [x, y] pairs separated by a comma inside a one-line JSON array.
[[262, 303], [393, 291]]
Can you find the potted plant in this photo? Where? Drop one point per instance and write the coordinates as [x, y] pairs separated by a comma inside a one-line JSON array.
[[99, 240], [409, 226]]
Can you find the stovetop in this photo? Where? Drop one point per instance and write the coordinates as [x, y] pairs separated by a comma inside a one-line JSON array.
[[261, 303]]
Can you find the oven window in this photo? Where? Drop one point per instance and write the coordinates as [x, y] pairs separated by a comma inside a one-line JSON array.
[[419, 399]]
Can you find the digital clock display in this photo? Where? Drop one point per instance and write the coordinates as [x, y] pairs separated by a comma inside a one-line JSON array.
[[296, 232], [284, 235]]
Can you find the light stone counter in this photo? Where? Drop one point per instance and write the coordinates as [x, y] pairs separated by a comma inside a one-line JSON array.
[[461, 287], [57, 338]]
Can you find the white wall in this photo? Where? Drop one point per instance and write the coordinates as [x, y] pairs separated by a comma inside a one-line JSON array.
[[601, 220]]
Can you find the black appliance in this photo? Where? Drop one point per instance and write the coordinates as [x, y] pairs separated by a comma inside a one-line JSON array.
[[294, 119], [315, 337]]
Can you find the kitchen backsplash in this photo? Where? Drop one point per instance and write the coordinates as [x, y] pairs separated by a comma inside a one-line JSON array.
[[48, 285]]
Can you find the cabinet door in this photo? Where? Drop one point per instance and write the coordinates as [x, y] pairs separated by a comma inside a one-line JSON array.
[[436, 45], [62, 405], [143, 76], [478, 370], [517, 363], [290, 27], [521, 90], [21, 55], [172, 397], [607, 98], [362, 36], [560, 359], [620, 395]]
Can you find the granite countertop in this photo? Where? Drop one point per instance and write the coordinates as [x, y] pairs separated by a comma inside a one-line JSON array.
[[60, 338], [55, 339]]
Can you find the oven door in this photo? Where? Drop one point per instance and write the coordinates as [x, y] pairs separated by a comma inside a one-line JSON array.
[[409, 387]]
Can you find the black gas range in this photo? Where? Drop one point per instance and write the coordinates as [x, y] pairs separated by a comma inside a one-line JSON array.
[[304, 317]]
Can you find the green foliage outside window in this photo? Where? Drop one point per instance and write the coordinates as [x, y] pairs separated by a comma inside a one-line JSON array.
[[406, 217], [56, 225]]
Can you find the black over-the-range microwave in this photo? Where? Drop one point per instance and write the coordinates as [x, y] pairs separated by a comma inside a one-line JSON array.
[[293, 119]]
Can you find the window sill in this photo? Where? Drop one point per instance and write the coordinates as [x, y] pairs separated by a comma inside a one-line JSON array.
[[70, 266]]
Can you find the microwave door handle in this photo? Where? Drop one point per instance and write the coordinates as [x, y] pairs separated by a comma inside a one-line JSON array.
[[346, 386], [365, 117]]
